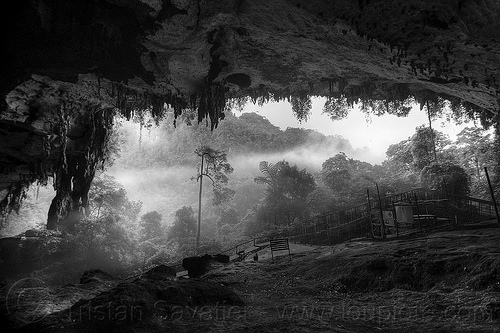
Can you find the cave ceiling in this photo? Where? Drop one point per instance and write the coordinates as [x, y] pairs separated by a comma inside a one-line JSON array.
[[67, 62]]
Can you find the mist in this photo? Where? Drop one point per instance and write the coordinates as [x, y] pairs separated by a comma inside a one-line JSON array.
[[166, 189], [165, 183]]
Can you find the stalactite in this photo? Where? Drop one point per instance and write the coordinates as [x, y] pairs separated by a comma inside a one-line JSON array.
[[72, 180], [13, 200], [211, 104]]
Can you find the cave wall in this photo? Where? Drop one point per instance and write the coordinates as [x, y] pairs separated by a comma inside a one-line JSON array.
[[70, 65]]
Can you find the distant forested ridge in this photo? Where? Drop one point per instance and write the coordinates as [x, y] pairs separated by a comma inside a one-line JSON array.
[[143, 208], [165, 154], [249, 133]]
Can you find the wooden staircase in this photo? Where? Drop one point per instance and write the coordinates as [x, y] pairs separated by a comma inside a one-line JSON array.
[[241, 251], [429, 207], [244, 253]]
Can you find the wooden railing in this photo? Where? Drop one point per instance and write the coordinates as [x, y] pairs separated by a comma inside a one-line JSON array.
[[333, 227], [478, 206], [339, 226], [244, 245]]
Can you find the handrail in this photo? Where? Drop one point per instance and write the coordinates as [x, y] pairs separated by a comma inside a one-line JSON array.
[[235, 248], [471, 199], [409, 194], [357, 213], [364, 212]]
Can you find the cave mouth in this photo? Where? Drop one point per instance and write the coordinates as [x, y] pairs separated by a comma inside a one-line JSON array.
[[79, 143], [67, 58]]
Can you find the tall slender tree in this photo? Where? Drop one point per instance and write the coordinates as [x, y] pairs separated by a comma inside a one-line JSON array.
[[215, 167]]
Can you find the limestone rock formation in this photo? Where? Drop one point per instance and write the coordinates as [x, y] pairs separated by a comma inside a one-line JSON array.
[[71, 65]]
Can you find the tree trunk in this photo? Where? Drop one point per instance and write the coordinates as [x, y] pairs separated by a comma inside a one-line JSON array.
[[65, 209], [59, 208], [478, 171], [432, 133], [198, 232]]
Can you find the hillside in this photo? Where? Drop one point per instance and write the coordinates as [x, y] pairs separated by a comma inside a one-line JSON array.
[[164, 145], [443, 281], [157, 167]]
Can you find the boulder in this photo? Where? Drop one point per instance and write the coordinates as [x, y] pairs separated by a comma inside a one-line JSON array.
[[197, 266], [31, 233], [137, 300], [131, 306], [222, 258], [9, 249]]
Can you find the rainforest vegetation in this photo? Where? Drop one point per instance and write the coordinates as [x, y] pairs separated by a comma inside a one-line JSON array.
[[143, 208]]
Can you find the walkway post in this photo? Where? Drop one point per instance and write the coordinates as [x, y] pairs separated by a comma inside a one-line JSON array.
[[418, 211], [370, 212], [382, 223], [198, 230], [395, 217], [492, 193]]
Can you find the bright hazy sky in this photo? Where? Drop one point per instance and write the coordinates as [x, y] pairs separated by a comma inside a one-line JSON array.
[[376, 134]]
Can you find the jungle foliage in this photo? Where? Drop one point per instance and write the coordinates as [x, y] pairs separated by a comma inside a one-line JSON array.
[[272, 189]]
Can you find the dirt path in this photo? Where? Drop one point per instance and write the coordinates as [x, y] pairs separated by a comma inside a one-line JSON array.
[[448, 281], [443, 282]]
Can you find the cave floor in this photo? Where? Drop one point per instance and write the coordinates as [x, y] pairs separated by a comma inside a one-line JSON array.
[[367, 286], [440, 281]]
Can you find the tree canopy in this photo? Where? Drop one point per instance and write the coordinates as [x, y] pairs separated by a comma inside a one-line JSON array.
[[184, 225], [287, 190]]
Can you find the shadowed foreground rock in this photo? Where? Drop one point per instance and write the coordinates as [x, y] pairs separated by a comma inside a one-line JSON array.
[[197, 266], [137, 304]]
